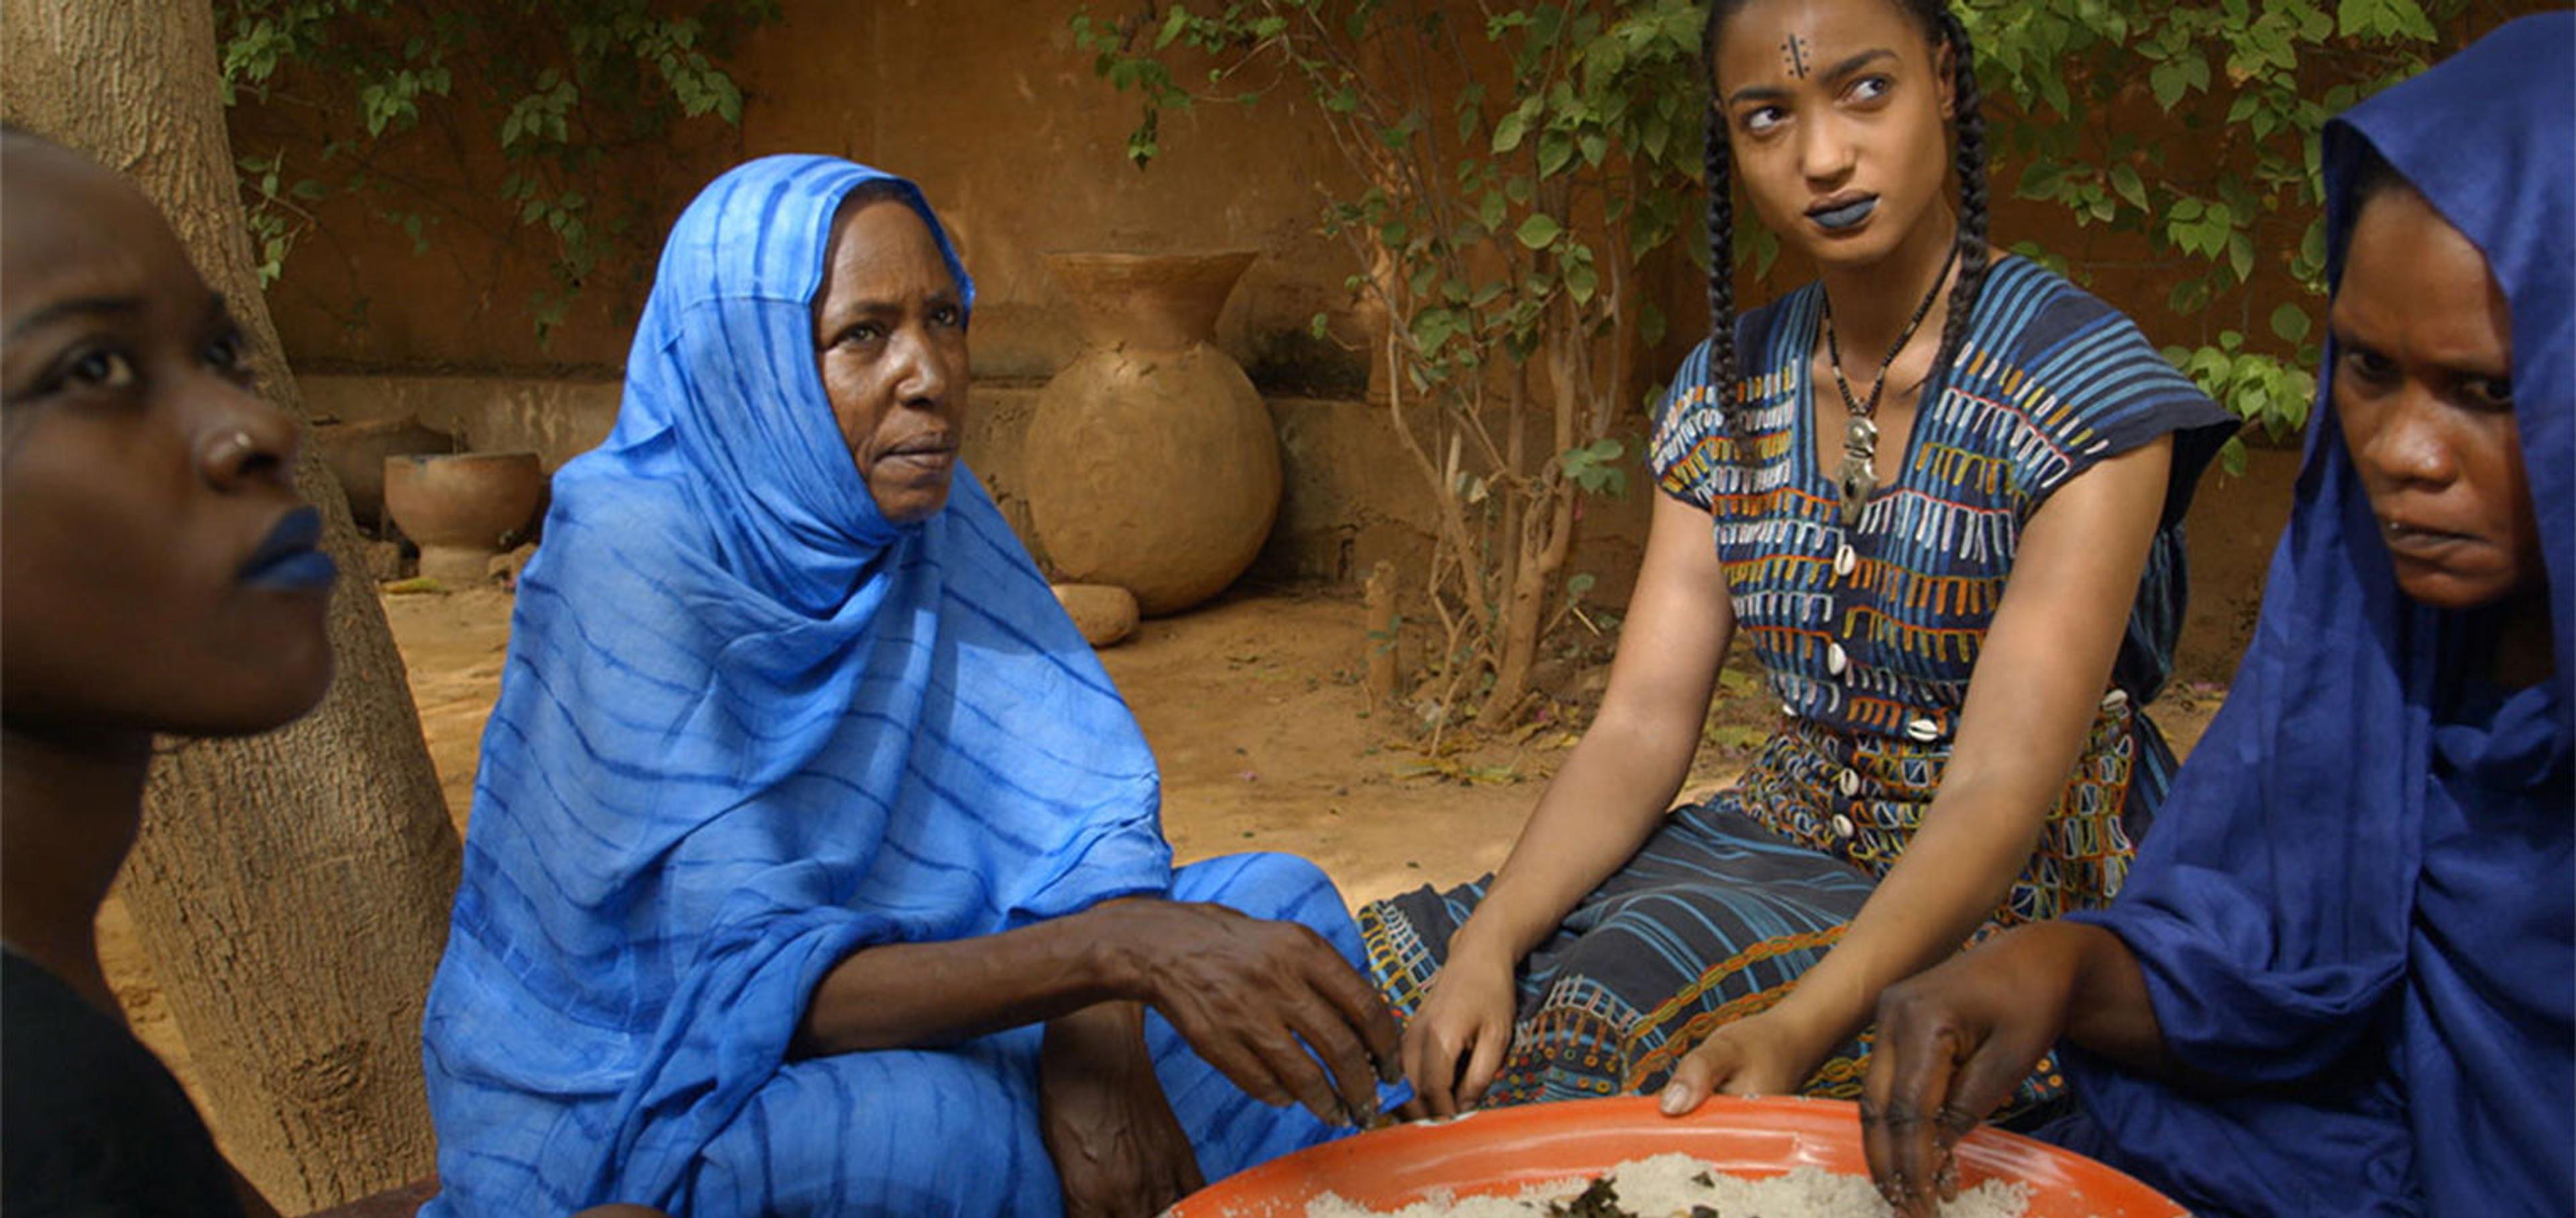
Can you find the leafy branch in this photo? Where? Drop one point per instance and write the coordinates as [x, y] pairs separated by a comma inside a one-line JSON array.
[[558, 88], [1516, 165], [2199, 128]]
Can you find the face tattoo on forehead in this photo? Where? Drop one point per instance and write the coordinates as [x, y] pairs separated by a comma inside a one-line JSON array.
[[1794, 50]]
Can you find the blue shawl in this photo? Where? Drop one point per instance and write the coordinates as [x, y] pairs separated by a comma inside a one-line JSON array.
[[747, 727], [2358, 907]]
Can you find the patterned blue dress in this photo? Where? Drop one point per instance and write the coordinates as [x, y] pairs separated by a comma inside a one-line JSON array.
[[1868, 636]]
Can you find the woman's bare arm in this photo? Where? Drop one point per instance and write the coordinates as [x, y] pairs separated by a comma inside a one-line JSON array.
[[2033, 699], [1615, 786], [1243, 991]]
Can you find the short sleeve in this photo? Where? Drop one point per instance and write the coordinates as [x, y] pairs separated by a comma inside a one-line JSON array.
[[2099, 389], [1687, 428]]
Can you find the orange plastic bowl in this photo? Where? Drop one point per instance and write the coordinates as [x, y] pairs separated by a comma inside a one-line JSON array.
[[1507, 1150]]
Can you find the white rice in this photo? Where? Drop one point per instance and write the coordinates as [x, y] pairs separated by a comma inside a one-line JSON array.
[[1671, 1184]]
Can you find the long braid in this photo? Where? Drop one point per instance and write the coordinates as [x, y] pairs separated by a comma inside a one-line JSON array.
[[1723, 372], [1970, 124], [1718, 178]]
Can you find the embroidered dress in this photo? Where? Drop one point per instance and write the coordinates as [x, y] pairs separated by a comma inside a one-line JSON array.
[[1868, 637]]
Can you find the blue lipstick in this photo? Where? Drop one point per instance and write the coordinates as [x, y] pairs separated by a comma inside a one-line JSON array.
[[1836, 219], [288, 559]]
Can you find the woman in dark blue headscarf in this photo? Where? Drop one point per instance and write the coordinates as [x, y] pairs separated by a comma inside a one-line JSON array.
[[814, 865], [2342, 979]]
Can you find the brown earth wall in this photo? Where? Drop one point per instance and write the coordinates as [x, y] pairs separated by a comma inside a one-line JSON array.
[[988, 104]]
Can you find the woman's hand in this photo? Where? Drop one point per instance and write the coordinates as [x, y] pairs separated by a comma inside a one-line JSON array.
[[1118, 1150], [1253, 996], [1771, 1053], [1468, 1015], [1953, 1042]]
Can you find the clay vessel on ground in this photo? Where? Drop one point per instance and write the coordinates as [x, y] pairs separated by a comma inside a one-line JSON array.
[[1104, 614], [1153, 465], [463, 508], [356, 453]]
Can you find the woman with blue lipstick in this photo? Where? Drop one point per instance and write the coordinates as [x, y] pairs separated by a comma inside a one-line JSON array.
[[158, 575], [1939, 491], [2338, 982], [815, 865]]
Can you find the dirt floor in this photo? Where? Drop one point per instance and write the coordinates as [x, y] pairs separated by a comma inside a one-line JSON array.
[[1254, 707]]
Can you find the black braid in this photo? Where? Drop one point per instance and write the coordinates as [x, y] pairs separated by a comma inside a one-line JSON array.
[[1718, 179], [1970, 124]]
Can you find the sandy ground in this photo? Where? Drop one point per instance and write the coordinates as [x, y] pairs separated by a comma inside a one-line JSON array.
[[1253, 705]]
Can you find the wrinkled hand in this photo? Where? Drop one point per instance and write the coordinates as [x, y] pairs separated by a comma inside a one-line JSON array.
[[1457, 1041], [1118, 1150], [1244, 992], [1765, 1054], [1953, 1042]]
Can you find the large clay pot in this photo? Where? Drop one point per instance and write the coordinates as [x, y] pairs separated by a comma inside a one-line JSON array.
[[463, 508], [356, 453], [1152, 464]]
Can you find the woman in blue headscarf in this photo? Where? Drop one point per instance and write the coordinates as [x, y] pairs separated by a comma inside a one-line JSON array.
[[814, 865], [2339, 980]]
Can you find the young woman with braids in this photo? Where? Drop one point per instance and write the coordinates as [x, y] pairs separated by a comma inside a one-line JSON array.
[[1962, 623]]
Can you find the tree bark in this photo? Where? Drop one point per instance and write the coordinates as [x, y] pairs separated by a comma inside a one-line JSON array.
[[292, 889]]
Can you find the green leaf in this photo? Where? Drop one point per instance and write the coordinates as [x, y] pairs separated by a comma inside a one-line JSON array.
[[1555, 148], [2231, 456], [2383, 19], [1432, 328], [2125, 180], [2167, 81], [1490, 211], [1509, 132], [1582, 281], [2040, 179], [1539, 229], [1650, 323], [2290, 323]]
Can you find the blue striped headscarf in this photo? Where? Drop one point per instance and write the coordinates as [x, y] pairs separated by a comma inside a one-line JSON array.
[[747, 727]]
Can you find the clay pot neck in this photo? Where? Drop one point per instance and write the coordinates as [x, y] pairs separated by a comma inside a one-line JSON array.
[[1154, 302]]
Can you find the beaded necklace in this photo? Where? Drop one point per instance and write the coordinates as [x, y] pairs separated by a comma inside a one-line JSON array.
[[1859, 474], [1860, 436]]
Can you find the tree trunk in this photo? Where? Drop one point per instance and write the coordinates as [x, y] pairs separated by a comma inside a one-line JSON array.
[[292, 889]]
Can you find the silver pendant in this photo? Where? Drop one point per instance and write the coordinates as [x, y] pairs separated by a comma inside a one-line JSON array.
[[1860, 467]]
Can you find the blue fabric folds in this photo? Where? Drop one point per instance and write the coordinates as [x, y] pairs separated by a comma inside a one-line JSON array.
[[2358, 907], [746, 727]]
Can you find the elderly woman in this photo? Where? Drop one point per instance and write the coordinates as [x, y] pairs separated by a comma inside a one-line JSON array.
[[2338, 981], [814, 865]]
